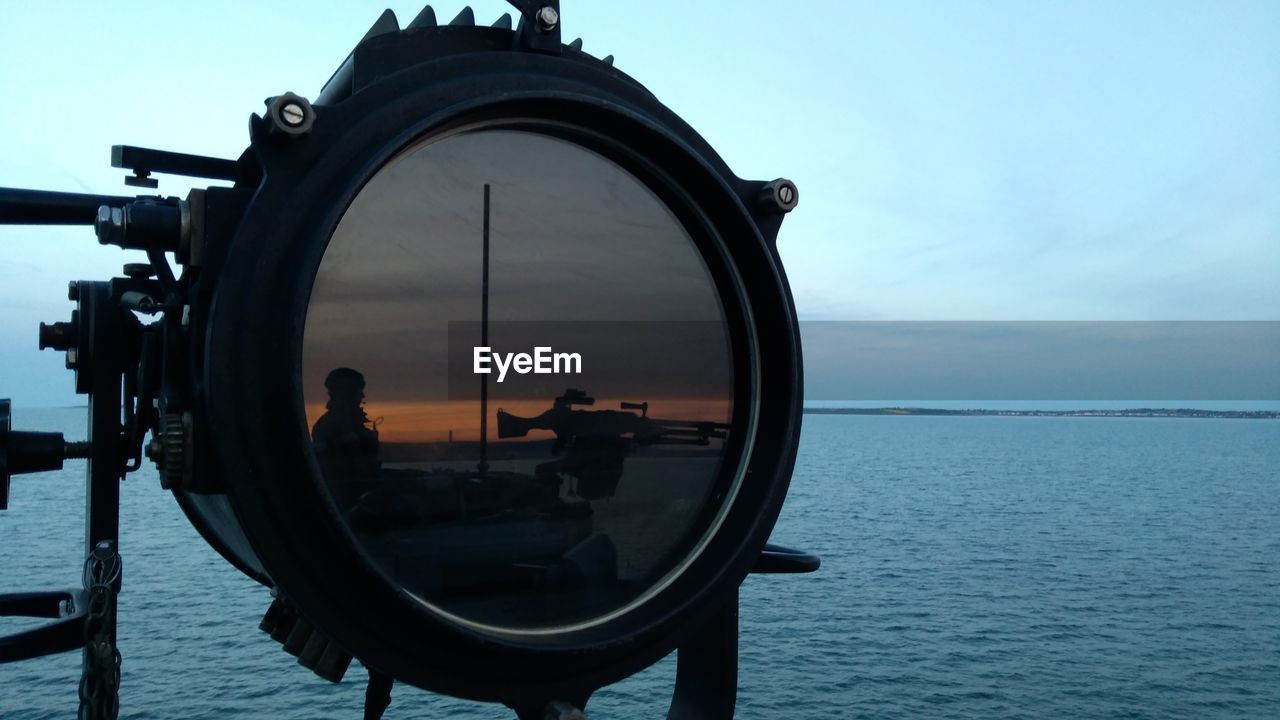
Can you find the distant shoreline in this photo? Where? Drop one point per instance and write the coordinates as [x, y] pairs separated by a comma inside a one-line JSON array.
[[1129, 413], [979, 412]]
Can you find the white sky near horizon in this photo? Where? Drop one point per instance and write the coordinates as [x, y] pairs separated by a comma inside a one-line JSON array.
[[956, 161]]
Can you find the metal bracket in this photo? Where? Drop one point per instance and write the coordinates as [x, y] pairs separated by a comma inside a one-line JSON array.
[[775, 559], [24, 451], [539, 29], [144, 161], [66, 633], [707, 670]]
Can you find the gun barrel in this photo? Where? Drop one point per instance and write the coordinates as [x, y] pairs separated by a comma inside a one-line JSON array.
[[699, 424], [584, 423], [699, 441], [44, 207], [683, 432], [691, 432]]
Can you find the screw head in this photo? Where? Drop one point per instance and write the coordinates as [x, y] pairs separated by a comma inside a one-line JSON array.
[[290, 114], [779, 196], [548, 18], [293, 114]]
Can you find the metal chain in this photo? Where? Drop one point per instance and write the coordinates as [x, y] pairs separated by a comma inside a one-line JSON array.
[[100, 680]]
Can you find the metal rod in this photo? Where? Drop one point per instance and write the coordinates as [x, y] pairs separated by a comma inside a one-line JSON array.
[[102, 499], [145, 161], [484, 342], [44, 207], [707, 669], [102, 514]]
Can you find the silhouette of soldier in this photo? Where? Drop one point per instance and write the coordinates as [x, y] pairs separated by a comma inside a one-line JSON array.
[[346, 444], [345, 441]]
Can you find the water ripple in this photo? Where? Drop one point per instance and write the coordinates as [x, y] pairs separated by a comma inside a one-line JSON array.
[[972, 568]]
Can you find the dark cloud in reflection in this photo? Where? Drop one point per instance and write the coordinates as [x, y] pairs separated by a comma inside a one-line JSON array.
[[582, 255]]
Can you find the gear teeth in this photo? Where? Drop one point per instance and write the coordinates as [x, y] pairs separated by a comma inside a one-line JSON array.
[[386, 23], [425, 19], [466, 18], [576, 44], [504, 22], [173, 448], [608, 60]]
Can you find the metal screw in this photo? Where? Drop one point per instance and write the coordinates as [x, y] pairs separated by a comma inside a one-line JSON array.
[[779, 196], [104, 549], [290, 114], [548, 18], [73, 358], [293, 114]]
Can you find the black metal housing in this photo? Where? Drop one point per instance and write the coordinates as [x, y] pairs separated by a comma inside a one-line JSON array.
[[216, 378], [405, 87]]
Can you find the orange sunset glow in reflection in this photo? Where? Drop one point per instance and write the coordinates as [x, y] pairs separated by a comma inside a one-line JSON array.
[[433, 421]]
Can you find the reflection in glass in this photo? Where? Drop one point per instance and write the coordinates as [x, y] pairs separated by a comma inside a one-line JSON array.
[[586, 490], [346, 443]]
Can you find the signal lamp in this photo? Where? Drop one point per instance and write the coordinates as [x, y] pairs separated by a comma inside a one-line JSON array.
[[306, 375]]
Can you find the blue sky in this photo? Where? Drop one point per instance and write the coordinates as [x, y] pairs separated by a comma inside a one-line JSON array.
[[956, 161]]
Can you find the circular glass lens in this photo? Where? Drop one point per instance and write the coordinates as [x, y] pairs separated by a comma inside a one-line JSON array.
[[518, 377]]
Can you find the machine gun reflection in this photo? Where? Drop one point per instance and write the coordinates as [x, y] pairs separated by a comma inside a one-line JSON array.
[[595, 442], [456, 530]]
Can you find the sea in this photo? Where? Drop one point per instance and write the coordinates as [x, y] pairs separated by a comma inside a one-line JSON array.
[[972, 567]]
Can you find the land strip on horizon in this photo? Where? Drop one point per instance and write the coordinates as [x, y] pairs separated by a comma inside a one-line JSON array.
[[1131, 413]]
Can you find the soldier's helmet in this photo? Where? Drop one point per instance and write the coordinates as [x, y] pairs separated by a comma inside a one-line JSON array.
[[344, 379]]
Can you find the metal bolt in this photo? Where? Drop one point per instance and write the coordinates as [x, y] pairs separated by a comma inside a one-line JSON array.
[[109, 225], [73, 358], [293, 114], [548, 18], [104, 549], [73, 291]]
